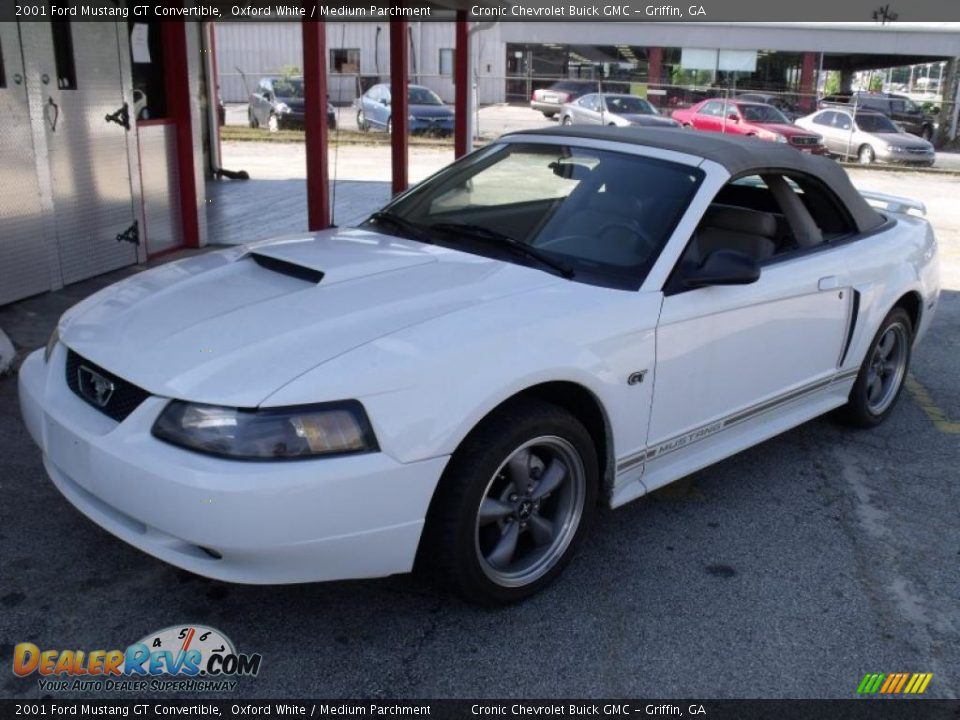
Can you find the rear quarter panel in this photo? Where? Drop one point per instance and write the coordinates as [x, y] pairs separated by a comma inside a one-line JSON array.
[[884, 267]]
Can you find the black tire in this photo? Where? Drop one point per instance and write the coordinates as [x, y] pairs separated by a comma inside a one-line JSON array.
[[452, 546], [362, 124], [389, 125], [859, 410], [252, 120], [548, 115], [567, 120], [926, 132], [866, 155]]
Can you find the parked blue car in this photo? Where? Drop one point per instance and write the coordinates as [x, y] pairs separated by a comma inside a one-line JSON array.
[[428, 114]]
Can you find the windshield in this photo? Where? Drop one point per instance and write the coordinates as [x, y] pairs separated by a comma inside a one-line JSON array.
[[605, 215], [423, 96], [875, 124], [763, 114], [288, 88], [627, 105]]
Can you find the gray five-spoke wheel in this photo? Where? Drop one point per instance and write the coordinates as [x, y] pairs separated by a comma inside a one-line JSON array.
[[888, 365], [530, 511]]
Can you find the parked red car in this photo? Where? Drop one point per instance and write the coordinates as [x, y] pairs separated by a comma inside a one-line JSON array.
[[748, 118]]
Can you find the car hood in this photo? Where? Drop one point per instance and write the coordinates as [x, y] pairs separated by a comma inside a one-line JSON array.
[[296, 104], [232, 327], [431, 111], [900, 140], [648, 120], [784, 129]]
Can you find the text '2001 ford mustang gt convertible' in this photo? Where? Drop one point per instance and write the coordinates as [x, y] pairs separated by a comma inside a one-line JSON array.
[[561, 319]]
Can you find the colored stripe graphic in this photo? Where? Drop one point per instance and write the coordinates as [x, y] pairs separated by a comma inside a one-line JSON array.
[[894, 683]]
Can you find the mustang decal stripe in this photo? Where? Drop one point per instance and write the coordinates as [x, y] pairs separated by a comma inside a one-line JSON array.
[[680, 441]]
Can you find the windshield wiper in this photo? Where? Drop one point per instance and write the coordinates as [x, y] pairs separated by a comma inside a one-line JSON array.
[[507, 242], [401, 223]]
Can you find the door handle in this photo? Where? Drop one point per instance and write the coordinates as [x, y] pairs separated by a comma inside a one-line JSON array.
[[829, 283]]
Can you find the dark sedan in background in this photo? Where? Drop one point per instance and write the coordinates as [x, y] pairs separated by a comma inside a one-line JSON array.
[[427, 112], [277, 104]]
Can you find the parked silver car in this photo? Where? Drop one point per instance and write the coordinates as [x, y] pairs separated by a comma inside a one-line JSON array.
[[613, 109], [868, 136]]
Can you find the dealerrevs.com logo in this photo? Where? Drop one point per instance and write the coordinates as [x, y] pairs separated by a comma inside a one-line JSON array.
[[178, 658]]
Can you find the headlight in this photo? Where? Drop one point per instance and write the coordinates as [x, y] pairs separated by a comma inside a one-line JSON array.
[[287, 433], [894, 148], [411, 118], [780, 138], [282, 107], [51, 343]]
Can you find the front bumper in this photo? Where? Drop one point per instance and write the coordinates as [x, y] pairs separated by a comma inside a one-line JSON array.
[[906, 158], [248, 522], [428, 125]]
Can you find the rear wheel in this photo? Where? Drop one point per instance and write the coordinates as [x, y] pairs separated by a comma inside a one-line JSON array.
[[513, 504], [882, 373], [362, 125], [865, 155], [548, 114]]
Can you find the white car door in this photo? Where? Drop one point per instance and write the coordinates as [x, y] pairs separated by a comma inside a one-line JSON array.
[[739, 363]]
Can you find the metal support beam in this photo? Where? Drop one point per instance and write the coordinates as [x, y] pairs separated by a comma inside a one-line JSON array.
[[174, 34], [654, 72], [399, 106], [315, 123], [808, 99], [461, 86]]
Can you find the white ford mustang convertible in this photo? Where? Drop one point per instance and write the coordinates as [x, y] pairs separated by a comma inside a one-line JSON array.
[[563, 318]]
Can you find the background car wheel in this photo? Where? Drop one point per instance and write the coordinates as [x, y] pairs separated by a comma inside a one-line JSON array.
[[865, 155], [687, 126], [548, 114], [882, 373], [273, 123], [567, 120], [513, 504], [389, 125], [362, 125], [926, 133], [252, 120]]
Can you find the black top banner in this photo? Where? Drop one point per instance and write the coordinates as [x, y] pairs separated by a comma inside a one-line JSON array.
[[860, 709], [879, 12]]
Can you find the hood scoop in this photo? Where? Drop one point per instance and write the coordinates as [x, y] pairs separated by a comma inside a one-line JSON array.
[[290, 269]]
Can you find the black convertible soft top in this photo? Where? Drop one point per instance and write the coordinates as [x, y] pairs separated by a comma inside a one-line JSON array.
[[739, 155]]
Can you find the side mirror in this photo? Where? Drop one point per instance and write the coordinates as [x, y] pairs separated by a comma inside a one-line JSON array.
[[384, 101], [733, 117], [724, 267]]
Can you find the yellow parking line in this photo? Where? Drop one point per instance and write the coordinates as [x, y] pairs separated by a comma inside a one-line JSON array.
[[923, 398]]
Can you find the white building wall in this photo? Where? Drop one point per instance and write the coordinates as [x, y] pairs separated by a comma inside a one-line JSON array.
[[261, 49]]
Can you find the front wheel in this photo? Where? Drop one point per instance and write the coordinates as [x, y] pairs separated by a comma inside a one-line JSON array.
[[926, 133], [882, 373], [362, 125], [273, 123], [389, 125], [513, 504], [567, 120], [866, 156]]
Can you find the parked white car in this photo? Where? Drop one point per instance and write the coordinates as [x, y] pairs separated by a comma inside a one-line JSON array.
[[563, 318]]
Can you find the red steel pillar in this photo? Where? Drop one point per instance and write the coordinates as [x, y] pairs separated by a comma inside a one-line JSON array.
[[315, 123], [399, 107], [461, 85], [654, 72], [180, 111], [807, 90]]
